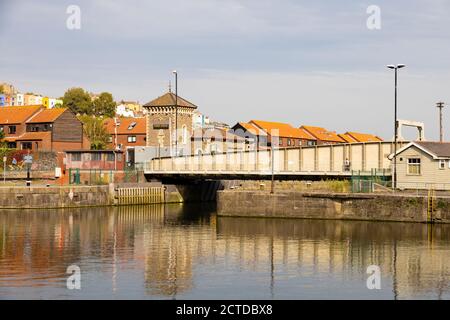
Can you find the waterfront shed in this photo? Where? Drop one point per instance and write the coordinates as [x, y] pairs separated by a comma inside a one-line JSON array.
[[423, 165]]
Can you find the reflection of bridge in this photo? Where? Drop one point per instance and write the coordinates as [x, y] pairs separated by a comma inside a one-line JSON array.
[[338, 160]]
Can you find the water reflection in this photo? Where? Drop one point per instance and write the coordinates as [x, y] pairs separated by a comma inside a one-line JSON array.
[[176, 251]]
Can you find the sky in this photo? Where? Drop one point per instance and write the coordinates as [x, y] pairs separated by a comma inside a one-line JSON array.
[[294, 61]]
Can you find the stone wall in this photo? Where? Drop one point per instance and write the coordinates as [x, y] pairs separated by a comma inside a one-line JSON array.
[[54, 197], [285, 204]]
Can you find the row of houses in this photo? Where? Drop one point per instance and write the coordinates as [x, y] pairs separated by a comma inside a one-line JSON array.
[[284, 135], [14, 99], [38, 128]]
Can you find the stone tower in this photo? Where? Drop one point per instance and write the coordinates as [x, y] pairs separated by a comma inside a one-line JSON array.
[[162, 127]]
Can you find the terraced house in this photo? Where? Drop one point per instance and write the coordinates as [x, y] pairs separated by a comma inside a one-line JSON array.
[[126, 134], [283, 135], [37, 128]]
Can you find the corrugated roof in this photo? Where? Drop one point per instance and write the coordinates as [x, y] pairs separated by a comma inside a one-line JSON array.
[[126, 126], [47, 115], [16, 115], [279, 129], [168, 100], [323, 134]]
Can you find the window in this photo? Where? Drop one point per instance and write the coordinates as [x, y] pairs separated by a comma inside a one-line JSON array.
[[26, 146], [110, 157], [96, 156], [414, 166], [76, 156], [184, 134], [442, 164], [12, 130], [132, 125], [131, 139], [311, 143], [288, 142]]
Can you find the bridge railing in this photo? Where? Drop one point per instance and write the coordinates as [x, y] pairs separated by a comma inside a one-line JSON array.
[[325, 159]]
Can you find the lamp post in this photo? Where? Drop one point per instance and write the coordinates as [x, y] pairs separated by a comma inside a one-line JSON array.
[[394, 177], [176, 111]]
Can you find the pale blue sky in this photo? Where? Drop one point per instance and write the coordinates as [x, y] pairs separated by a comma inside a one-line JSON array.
[[302, 62]]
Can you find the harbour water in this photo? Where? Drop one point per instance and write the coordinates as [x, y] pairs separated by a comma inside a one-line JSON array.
[[186, 252]]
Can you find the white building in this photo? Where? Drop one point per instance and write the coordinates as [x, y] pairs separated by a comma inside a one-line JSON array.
[[19, 99], [123, 111], [423, 165]]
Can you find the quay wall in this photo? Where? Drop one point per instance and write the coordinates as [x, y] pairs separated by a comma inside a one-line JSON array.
[[81, 196], [337, 206], [54, 197]]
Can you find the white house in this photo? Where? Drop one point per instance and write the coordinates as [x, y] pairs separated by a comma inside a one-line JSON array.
[[423, 165]]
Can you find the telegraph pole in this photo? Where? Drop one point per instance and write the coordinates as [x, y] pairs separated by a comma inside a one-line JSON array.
[[440, 105]]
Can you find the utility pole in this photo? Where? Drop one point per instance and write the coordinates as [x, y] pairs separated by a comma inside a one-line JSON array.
[[440, 105]]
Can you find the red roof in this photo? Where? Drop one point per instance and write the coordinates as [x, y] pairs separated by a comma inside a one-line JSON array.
[[323, 134], [47, 115], [279, 129], [16, 115], [126, 126]]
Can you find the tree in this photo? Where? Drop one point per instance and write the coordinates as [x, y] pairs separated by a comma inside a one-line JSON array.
[[104, 105], [78, 100], [95, 130], [2, 136], [2, 89]]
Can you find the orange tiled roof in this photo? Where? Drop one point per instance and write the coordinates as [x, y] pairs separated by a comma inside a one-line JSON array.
[[347, 138], [323, 134], [363, 137], [126, 126], [47, 115], [252, 129], [284, 130], [168, 100], [17, 114]]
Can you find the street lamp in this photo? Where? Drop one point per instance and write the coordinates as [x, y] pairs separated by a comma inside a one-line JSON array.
[[176, 111], [395, 67]]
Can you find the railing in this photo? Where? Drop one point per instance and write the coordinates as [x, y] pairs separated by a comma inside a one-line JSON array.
[[366, 159]]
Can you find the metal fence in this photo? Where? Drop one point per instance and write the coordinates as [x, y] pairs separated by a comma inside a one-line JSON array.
[[365, 182]]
